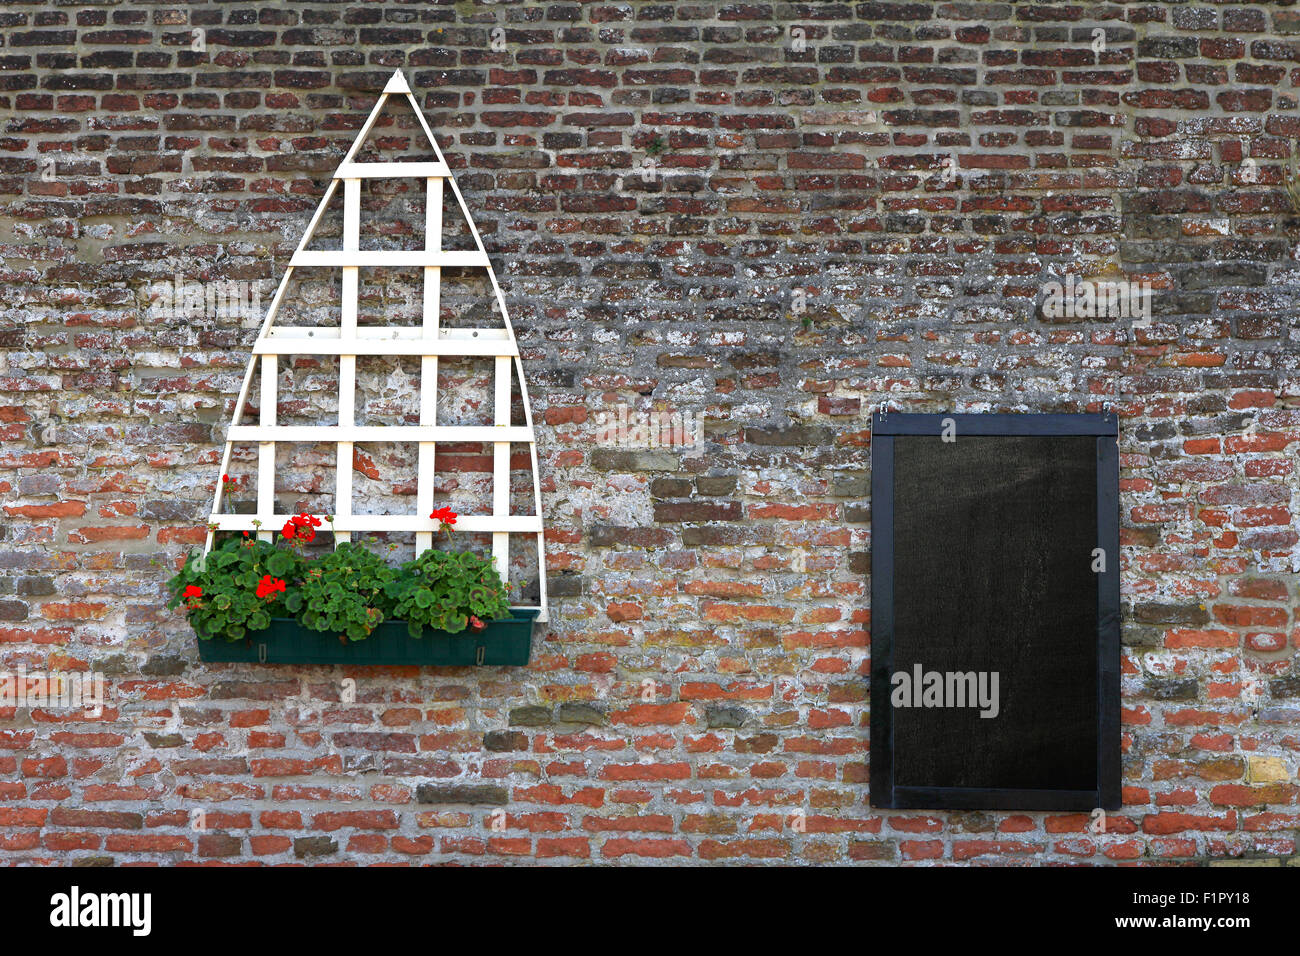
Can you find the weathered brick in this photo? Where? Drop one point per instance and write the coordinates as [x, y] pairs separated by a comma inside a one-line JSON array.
[[466, 794]]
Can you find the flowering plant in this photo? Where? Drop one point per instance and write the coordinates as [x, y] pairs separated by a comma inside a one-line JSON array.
[[343, 592], [447, 592], [244, 582], [238, 587]]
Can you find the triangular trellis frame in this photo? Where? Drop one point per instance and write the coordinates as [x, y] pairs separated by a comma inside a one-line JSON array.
[[428, 341]]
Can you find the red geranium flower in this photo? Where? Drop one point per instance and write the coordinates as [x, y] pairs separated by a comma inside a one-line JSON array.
[[193, 591], [445, 515], [476, 624], [302, 526], [269, 586]]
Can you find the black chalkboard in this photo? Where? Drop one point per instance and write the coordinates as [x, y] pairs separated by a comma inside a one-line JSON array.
[[995, 636]]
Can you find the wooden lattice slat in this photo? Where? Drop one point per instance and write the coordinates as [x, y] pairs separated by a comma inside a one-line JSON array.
[[428, 341]]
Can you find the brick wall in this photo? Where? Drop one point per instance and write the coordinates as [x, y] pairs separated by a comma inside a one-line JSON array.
[[854, 203]]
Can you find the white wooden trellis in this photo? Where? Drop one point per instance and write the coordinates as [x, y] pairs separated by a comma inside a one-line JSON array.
[[429, 341]]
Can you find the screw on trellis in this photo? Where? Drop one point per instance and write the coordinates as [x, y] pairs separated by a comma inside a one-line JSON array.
[[428, 341]]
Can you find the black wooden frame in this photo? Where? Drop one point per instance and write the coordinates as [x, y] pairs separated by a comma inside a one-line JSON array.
[[884, 793]]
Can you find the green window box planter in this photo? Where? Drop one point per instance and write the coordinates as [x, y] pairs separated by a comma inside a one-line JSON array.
[[503, 642]]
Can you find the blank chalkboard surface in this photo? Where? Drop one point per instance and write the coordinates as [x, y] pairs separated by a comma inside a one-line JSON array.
[[994, 617]]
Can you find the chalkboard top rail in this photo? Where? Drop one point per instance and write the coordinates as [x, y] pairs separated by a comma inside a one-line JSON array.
[[999, 423]]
